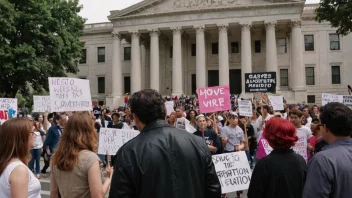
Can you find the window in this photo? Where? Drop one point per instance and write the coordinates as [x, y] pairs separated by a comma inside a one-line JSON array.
[[214, 48], [335, 75], [309, 42], [171, 51], [309, 75], [334, 41], [101, 54], [84, 57], [283, 77], [282, 46], [234, 47], [311, 98], [194, 50], [101, 102], [257, 47], [127, 53], [81, 77], [101, 84]]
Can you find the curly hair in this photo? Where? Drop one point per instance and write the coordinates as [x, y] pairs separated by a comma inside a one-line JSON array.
[[79, 134], [148, 105], [280, 133]]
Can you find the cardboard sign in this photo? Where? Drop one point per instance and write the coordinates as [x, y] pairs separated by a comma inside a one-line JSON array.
[[277, 102], [213, 99], [245, 108], [111, 140], [41, 103], [301, 145], [8, 109], [233, 171], [347, 100], [169, 105], [70, 94], [260, 82], [327, 98]]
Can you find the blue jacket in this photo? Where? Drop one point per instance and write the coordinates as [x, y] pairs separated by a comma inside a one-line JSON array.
[[53, 137]]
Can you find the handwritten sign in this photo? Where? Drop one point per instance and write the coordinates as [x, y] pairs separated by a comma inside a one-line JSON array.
[[266, 146], [277, 102], [233, 171], [245, 108], [70, 94], [347, 100], [214, 99], [41, 103], [169, 105], [8, 108], [301, 145], [260, 82], [327, 98], [111, 140]]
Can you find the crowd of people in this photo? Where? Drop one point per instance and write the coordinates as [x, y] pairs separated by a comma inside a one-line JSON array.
[[165, 160]]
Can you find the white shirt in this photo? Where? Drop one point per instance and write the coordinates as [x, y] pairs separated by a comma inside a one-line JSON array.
[[260, 127], [38, 141], [5, 187], [304, 130]]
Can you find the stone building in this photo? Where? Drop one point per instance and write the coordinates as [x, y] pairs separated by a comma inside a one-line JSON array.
[[176, 46]]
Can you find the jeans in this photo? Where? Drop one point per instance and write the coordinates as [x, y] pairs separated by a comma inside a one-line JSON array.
[[35, 153], [102, 159], [46, 162], [248, 155]]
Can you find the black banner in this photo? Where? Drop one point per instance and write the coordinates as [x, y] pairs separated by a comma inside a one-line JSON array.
[[261, 82]]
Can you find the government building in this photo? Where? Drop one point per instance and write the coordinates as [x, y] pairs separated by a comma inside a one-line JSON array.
[[177, 46]]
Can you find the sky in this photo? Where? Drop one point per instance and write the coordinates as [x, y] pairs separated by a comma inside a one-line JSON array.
[[96, 11]]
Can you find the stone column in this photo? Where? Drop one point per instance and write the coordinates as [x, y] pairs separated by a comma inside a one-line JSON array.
[[224, 77], [271, 52], [200, 58], [246, 53], [297, 69], [154, 59], [135, 63], [177, 63]]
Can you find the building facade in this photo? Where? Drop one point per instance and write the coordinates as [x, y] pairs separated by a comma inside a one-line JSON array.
[[177, 46]]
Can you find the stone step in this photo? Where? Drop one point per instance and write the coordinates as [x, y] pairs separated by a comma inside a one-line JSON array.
[[45, 194], [45, 183]]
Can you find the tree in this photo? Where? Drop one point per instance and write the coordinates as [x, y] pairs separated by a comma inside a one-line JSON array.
[[338, 13], [38, 39]]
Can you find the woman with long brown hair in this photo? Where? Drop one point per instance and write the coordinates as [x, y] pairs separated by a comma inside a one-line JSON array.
[[16, 180], [75, 165]]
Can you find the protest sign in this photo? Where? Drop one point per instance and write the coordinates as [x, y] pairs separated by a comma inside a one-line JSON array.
[[347, 100], [111, 140], [277, 102], [327, 98], [245, 108], [233, 171], [301, 145], [266, 146], [41, 103], [212, 99], [8, 108], [169, 105], [260, 82], [70, 94]]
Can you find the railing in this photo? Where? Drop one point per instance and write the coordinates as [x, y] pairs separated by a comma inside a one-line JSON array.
[[98, 25]]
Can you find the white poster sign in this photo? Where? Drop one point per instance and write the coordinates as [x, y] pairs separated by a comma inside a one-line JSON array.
[[8, 109], [347, 100], [301, 145], [111, 140], [327, 98], [233, 171], [266, 146], [70, 94], [41, 104], [277, 102], [169, 105], [245, 108]]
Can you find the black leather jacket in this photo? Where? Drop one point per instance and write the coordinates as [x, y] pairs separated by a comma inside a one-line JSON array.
[[164, 162]]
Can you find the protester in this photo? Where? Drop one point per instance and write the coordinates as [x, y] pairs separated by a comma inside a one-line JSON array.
[[296, 120], [37, 149], [210, 137], [265, 116], [330, 170], [283, 172], [250, 145], [75, 165], [129, 122], [162, 161], [172, 119], [191, 116], [16, 179]]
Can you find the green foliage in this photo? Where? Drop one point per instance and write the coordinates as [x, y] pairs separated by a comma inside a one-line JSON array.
[[38, 39], [338, 13]]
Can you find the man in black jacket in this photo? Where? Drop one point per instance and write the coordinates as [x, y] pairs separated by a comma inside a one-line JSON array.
[[162, 161]]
